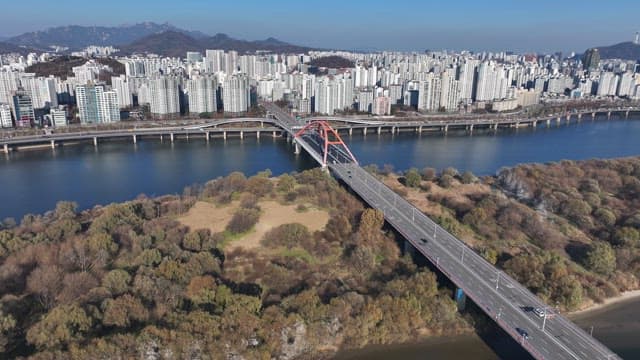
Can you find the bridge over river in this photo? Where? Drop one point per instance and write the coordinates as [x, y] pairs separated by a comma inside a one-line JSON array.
[[549, 335]]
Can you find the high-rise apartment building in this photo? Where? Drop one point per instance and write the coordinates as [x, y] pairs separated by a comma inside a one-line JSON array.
[[591, 59], [430, 92], [5, 116], [164, 96], [236, 96], [97, 106], [466, 77], [608, 84], [23, 109], [201, 92], [214, 61], [8, 85], [382, 106], [121, 86]]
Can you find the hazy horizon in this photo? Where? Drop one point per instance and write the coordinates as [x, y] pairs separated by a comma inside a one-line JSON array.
[[494, 25]]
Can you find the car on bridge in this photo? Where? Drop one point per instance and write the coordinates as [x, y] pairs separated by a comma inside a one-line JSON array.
[[523, 333], [539, 312]]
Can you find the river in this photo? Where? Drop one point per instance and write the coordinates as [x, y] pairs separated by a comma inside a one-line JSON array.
[[33, 181]]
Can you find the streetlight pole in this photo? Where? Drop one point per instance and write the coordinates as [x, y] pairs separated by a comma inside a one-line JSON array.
[[497, 280], [544, 318]]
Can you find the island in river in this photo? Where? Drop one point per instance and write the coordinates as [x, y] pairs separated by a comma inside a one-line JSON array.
[[297, 267]]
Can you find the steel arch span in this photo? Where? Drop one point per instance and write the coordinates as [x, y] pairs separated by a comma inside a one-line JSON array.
[[327, 138]]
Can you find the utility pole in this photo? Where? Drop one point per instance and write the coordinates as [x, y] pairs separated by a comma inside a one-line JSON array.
[[544, 318]]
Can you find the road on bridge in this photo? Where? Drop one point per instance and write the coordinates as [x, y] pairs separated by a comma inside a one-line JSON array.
[[548, 335]]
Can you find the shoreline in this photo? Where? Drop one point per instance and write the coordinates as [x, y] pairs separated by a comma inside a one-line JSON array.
[[624, 296]]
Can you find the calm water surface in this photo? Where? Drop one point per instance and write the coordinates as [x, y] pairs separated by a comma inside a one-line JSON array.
[[33, 181]]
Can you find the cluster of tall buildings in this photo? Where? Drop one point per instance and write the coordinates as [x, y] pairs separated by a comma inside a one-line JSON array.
[[203, 84]]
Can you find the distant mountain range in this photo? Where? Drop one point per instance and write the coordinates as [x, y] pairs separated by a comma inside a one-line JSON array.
[[161, 39], [173, 43], [78, 37], [6, 48], [625, 50]]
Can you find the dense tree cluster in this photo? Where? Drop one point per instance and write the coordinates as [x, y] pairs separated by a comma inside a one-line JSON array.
[[570, 231], [129, 281]]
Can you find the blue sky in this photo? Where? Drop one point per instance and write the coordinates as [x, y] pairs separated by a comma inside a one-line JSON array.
[[375, 24]]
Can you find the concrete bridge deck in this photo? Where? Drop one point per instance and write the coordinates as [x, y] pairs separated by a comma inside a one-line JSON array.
[[551, 336]]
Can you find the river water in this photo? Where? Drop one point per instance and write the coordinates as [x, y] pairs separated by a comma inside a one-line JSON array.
[[33, 181]]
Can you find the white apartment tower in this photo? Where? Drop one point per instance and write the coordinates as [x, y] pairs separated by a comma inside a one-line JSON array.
[[164, 96], [236, 96], [121, 86], [5, 116], [201, 92], [97, 106]]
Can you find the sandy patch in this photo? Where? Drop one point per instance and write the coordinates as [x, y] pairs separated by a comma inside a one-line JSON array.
[[205, 215], [275, 214]]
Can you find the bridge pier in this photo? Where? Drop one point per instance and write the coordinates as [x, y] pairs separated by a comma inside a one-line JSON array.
[[609, 115], [95, 141], [206, 134], [379, 130], [257, 134], [579, 116], [350, 131], [568, 118], [626, 114], [548, 122], [241, 134], [460, 298], [516, 125], [172, 138], [420, 129], [296, 147], [135, 139], [471, 128], [261, 124], [446, 128], [409, 249], [593, 115], [53, 144], [161, 138], [224, 135], [273, 134], [393, 130], [364, 131], [6, 148], [558, 120], [534, 123]]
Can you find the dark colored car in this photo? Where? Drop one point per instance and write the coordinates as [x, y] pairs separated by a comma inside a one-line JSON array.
[[523, 333]]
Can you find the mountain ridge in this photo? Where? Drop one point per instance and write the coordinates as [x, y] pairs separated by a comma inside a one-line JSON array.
[[172, 43], [625, 50], [77, 37]]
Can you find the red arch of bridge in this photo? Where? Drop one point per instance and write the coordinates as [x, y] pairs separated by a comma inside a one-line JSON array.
[[329, 136]]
